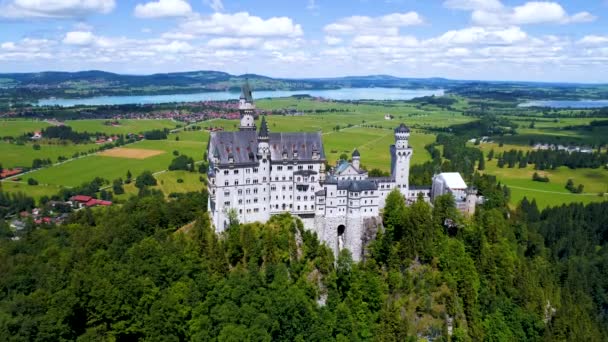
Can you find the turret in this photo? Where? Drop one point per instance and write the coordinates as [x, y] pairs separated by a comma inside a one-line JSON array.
[[247, 108], [356, 159], [402, 135], [263, 140], [401, 155], [471, 201]]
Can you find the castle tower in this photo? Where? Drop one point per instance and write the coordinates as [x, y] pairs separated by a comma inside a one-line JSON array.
[[263, 140], [356, 159], [401, 154], [247, 108], [471, 201]]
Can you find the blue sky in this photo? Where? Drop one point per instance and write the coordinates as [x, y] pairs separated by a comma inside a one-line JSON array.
[[563, 40]]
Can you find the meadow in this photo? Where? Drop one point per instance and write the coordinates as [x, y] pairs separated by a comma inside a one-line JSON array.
[[361, 126], [19, 127]]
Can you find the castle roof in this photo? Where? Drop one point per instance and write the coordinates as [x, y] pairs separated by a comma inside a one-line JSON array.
[[241, 146], [357, 185], [356, 153], [453, 180], [402, 129], [246, 92], [263, 128]]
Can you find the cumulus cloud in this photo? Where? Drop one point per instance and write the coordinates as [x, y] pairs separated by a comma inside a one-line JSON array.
[[215, 5], [227, 42], [594, 40], [481, 35], [240, 24], [79, 38], [54, 8], [474, 5], [163, 9], [387, 25], [494, 13], [332, 40]]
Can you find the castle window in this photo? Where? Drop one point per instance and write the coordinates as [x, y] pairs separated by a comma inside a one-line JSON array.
[[280, 168], [255, 170], [298, 207], [226, 172], [290, 167], [226, 193], [227, 203], [240, 192], [255, 181], [273, 188], [298, 198], [264, 179], [236, 172], [298, 179], [240, 211], [247, 191], [247, 181], [283, 177], [247, 170], [226, 183], [305, 198], [240, 201], [255, 191], [283, 188], [312, 179], [290, 178], [290, 187], [300, 167], [255, 200], [255, 210], [310, 167], [236, 182]]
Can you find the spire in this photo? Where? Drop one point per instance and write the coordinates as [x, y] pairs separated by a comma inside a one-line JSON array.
[[356, 153], [246, 91], [263, 128]]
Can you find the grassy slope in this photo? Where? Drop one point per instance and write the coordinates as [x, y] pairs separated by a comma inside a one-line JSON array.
[[16, 128]]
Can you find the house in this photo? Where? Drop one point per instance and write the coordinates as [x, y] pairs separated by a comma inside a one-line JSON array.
[[36, 136]]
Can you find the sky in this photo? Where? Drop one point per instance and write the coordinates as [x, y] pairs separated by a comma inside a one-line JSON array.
[[555, 41]]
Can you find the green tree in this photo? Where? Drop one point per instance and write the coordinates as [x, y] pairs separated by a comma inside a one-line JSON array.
[[145, 179]]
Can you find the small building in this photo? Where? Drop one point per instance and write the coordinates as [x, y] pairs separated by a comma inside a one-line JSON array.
[[36, 136], [452, 183]]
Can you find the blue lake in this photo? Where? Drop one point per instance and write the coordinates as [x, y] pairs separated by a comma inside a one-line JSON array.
[[334, 94], [566, 104]]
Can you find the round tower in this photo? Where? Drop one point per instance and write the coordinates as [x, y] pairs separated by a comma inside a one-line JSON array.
[[263, 140], [247, 108], [401, 155], [356, 156]]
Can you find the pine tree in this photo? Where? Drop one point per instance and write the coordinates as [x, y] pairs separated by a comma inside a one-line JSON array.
[[482, 163]]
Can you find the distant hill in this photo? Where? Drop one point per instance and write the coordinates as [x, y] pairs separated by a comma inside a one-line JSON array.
[[31, 86]]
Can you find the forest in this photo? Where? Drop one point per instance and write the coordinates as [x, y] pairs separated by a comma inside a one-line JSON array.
[[154, 269]]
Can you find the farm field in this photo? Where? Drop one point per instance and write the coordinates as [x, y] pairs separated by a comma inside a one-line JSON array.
[[554, 192], [13, 155], [126, 126], [85, 169], [19, 127], [35, 191]]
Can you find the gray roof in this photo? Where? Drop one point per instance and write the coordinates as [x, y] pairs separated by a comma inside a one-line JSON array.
[[242, 146], [402, 129], [357, 185], [303, 143], [356, 153], [263, 128], [246, 92]]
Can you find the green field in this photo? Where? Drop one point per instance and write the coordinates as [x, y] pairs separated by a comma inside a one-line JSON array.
[[353, 120], [13, 155], [125, 126], [14, 128]]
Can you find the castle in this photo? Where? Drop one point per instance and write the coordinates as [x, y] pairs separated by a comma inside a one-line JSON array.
[[256, 174]]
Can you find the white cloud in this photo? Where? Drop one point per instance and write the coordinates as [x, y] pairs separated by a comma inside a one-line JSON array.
[[494, 13], [593, 40], [173, 47], [215, 5], [163, 9], [54, 8], [240, 43], [332, 40], [393, 41], [79, 38], [177, 36], [241, 24], [481, 35], [386, 25], [474, 5]]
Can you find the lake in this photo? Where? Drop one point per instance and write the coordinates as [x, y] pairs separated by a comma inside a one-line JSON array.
[[334, 94], [566, 104]]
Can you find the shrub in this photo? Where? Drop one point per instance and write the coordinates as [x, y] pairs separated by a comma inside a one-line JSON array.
[[32, 181]]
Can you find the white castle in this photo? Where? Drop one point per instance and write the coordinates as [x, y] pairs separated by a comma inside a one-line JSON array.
[[257, 174]]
